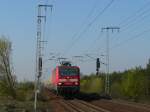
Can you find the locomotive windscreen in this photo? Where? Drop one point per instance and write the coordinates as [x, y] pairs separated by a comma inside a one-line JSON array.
[[68, 71]]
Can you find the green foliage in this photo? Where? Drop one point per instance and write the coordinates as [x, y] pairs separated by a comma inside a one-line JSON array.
[[26, 85], [3, 88], [25, 90], [7, 80], [92, 84], [132, 84], [116, 90], [147, 73]]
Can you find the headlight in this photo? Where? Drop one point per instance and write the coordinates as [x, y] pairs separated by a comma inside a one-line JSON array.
[[59, 83], [76, 83]]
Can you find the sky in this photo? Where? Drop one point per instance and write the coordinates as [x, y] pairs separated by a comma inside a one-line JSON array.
[[73, 28]]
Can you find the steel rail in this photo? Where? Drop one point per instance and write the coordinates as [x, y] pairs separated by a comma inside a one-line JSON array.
[[70, 107], [97, 108]]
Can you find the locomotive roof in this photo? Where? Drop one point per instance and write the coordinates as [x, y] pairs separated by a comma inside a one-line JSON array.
[[68, 66]]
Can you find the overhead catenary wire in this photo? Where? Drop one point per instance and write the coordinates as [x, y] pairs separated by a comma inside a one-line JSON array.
[[82, 24], [125, 24], [131, 19], [134, 25], [135, 19], [86, 20], [140, 16], [125, 40], [130, 39], [134, 14], [131, 31], [87, 27], [100, 35]]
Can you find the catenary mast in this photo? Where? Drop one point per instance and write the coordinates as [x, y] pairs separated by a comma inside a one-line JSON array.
[[41, 18]]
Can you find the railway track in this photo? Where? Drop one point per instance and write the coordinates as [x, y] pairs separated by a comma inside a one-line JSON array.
[[80, 106], [70, 107], [76, 105], [114, 106], [133, 104]]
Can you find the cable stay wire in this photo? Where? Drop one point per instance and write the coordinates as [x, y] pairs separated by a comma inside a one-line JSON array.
[[87, 27]]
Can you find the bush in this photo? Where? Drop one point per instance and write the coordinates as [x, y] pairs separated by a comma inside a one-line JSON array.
[[92, 84], [25, 90]]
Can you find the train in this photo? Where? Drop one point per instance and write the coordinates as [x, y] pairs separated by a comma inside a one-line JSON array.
[[65, 79]]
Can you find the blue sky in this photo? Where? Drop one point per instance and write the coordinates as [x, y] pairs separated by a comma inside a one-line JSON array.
[[67, 23]]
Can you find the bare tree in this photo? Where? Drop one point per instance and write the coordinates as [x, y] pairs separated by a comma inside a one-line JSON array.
[[5, 65]]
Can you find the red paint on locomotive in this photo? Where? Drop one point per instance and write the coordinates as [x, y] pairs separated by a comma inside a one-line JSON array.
[[66, 79]]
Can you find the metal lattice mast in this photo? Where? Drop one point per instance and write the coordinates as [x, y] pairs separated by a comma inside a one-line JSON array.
[[107, 81], [39, 48]]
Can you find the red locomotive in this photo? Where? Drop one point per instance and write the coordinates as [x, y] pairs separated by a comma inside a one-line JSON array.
[[66, 78]]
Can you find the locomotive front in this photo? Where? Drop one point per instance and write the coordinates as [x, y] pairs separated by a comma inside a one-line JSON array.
[[68, 79]]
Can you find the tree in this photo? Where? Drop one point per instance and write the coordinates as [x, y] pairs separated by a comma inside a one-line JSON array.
[[5, 67], [133, 84], [148, 78]]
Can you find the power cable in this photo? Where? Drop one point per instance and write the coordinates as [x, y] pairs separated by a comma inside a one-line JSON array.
[[83, 24], [88, 26], [130, 39], [129, 18], [85, 21], [133, 24], [133, 15], [94, 42], [134, 20]]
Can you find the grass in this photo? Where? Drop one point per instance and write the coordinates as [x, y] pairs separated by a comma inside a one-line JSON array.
[[10, 105], [24, 101]]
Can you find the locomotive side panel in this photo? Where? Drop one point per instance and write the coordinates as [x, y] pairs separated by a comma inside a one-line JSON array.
[[54, 79]]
